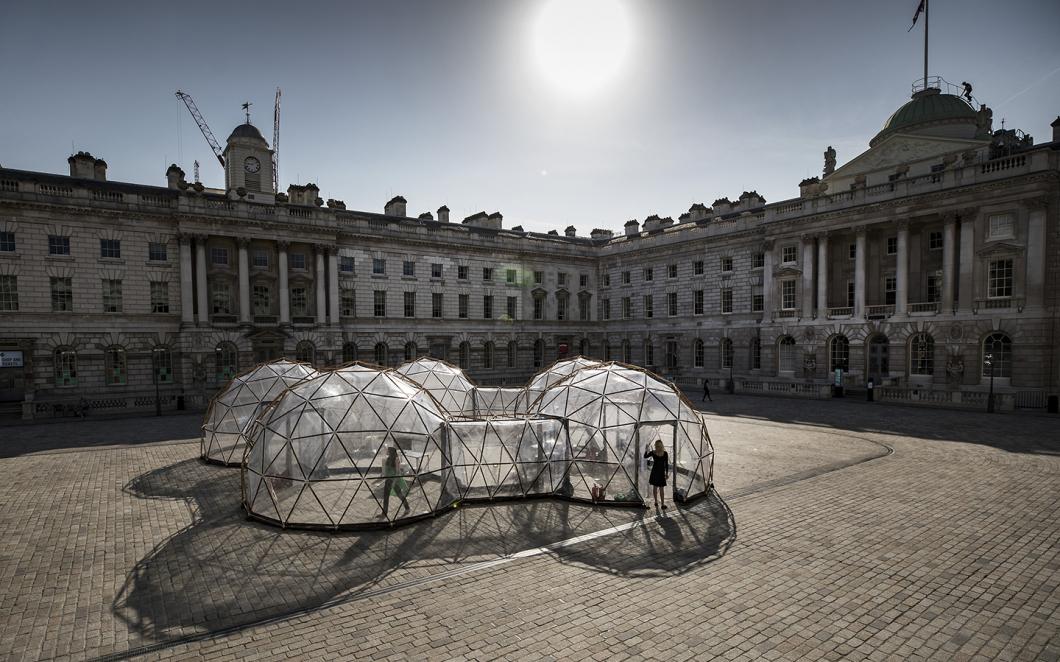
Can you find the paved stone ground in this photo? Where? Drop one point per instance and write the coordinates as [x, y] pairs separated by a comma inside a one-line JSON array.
[[949, 548]]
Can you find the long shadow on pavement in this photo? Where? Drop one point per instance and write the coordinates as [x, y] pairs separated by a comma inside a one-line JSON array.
[[224, 571]]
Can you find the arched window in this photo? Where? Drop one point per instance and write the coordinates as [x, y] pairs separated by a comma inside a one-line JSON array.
[[162, 360], [921, 354], [381, 352], [410, 351], [305, 352], [627, 352], [226, 361], [726, 353], [698, 353], [649, 352], [786, 354], [115, 365], [583, 348], [349, 352], [65, 366], [756, 353], [539, 353], [839, 353], [487, 356], [512, 354], [464, 356], [997, 355]]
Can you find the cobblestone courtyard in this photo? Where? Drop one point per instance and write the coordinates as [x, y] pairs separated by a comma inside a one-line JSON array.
[[839, 529]]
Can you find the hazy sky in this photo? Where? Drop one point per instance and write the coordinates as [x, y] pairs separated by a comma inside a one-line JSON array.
[[445, 101]]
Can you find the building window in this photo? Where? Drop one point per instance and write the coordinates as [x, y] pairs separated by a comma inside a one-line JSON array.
[[487, 356], [627, 308], [219, 256], [892, 245], [408, 268], [625, 278], [410, 304], [852, 251], [697, 302], [649, 306], [997, 355], [698, 354], [513, 307], [163, 364], [462, 306], [1001, 226], [512, 353], [509, 276], [110, 248], [649, 353], [58, 245], [649, 274], [159, 297], [562, 307], [539, 277], [671, 271], [115, 366], [890, 289], [935, 241], [260, 260], [65, 360], [697, 267], [379, 303], [1000, 279], [436, 270], [62, 295], [561, 279], [627, 352], [9, 293], [437, 303], [539, 353], [583, 308], [381, 351], [349, 352], [226, 361], [758, 260], [297, 261], [850, 294], [726, 264], [726, 353], [156, 252], [487, 306], [299, 302], [921, 354], [583, 280], [7, 242], [378, 266], [606, 278], [789, 254], [726, 300], [839, 353], [758, 302], [410, 351], [464, 355], [934, 293], [305, 352], [259, 299], [670, 356], [756, 353], [346, 264], [462, 272], [671, 304], [487, 273], [786, 354], [605, 309], [347, 302], [222, 298], [787, 298]]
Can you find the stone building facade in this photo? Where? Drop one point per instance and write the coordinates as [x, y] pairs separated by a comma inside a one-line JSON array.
[[924, 265]]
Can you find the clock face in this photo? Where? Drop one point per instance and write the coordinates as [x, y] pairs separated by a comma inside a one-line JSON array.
[[251, 164]]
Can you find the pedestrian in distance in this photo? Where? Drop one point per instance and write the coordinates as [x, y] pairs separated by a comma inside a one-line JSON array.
[[706, 391], [660, 468], [393, 483]]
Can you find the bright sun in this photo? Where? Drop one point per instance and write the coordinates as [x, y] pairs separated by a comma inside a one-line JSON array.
[[580, 45]]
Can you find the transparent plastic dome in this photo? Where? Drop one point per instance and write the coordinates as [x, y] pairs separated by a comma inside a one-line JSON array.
[[446, 382], [357, 446], [614, 413], [554, 374], [236, 406]]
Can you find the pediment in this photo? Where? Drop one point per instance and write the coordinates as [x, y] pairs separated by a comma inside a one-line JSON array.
[[787, 271], [999, 249], [901, 148]]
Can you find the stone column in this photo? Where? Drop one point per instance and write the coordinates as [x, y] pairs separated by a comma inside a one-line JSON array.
[[859, 272], [322, 302], [333, 285], [201, 295], [244, 281], [187, 288], [822, 275], [901, 276], [767, 279], [949, 240], [1034, 289], [966, 266], [807, 276], [284, 293]]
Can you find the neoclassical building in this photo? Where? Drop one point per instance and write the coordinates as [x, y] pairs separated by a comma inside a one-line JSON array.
[[928, 265]]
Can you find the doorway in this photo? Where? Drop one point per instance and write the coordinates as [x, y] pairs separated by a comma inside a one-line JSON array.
[[879, 359], [647, 433]]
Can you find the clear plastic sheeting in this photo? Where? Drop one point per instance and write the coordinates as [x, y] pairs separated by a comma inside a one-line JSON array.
[[496, 401], [235, 407], [446, 382], [554, 374]]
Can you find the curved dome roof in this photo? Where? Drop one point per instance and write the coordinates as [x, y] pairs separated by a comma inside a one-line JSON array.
[[446, 382], [246, 130], [927, 108]]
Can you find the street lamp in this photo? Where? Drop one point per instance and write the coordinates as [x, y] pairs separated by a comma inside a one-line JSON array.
[[988, 359]]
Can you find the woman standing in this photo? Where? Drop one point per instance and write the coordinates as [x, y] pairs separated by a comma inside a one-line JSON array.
[[660, 468], [394, 483]]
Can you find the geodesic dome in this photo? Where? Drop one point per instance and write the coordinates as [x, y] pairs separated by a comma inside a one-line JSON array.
[[499, 401], [614, 413], [356, 446], [554, 374], [239, 403], [446, 382]]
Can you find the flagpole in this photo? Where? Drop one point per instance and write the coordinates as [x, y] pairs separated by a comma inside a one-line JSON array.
[[926, 22]]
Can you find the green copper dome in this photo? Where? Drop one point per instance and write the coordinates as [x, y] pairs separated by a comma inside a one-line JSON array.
[[928, 108]]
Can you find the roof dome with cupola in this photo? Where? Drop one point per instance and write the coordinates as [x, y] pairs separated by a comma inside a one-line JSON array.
[[931, 111]]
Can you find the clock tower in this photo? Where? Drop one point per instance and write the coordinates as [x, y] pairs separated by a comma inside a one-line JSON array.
[[248, 163]]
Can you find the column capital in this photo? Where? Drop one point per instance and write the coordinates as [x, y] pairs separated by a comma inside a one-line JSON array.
[[949, 217], [767, 244], [967, 214], [1037, 204], [200, 237], [903, 224], [283, 244], [243, 242], [860, 230], [323, 249], [183, 238]]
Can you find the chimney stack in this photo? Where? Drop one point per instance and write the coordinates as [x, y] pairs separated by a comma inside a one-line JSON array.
[[100, 170], [83, 165], [443, 214], [632, 227], [571, 231], [598, 233], [396, 206], [1056, 129]]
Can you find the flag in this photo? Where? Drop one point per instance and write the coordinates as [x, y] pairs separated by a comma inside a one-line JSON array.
[[916, 14]]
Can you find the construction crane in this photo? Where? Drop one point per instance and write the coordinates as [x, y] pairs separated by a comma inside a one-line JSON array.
[[276, 144], [197, 116]]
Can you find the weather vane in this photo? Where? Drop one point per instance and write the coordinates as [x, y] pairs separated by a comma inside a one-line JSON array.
[[246, 109]]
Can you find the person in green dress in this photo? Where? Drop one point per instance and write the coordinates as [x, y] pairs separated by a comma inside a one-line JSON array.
[[394, 483]]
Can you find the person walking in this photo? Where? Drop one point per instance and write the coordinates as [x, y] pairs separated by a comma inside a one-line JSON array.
[[660, 469], [706, 391], [393, 482]]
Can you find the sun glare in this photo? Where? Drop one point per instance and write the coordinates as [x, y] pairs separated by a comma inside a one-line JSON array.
[[580, 45]]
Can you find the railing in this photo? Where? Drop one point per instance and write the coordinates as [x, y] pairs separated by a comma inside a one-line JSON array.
[[1007, 163], [49, 189], [879, 189], [834, 313], [845, 196], [303, 319], [299, 213], [9, 185], [219, 204], [925, 307], [223, 319], [790, 208], [265, 319], [1030, 399], [108, 196], [879, 312], [797, 389], [156, 200], [784, 313], [999, 303]]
